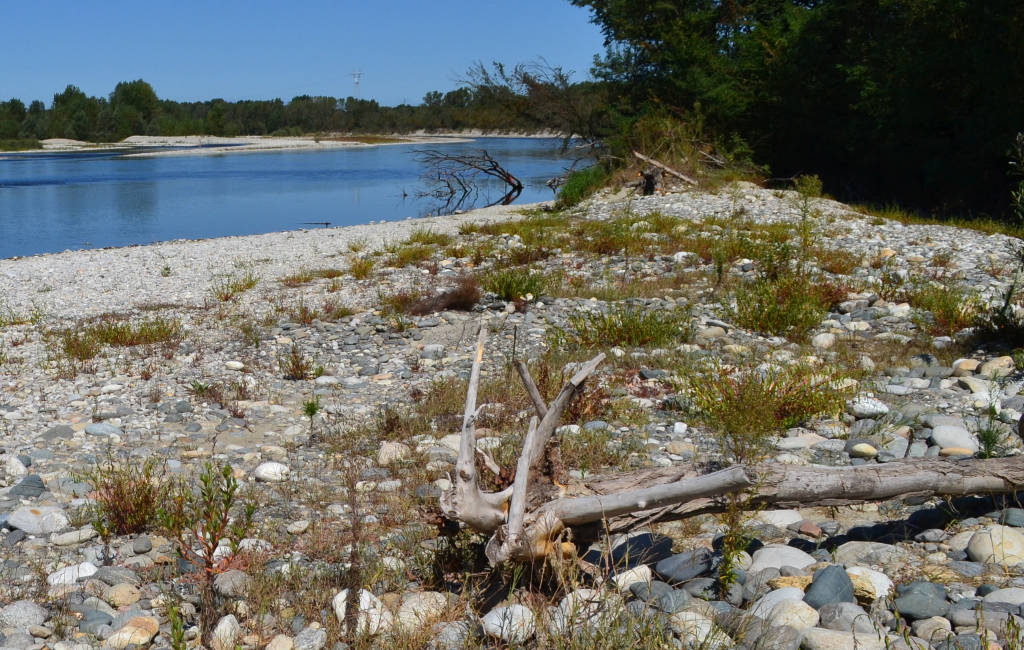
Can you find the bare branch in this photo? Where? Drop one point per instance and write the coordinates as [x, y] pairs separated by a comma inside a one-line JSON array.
[[531, 388]]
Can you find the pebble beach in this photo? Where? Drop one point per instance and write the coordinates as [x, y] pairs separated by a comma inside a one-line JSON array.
[[917, 574]]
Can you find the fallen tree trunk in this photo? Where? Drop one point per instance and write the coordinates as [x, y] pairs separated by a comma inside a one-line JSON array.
[[802, 486], [623, 501]]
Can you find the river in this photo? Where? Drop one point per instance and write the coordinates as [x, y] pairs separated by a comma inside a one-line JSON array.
[[51, 202]]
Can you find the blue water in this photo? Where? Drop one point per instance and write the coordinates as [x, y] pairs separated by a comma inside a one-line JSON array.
[[55, 202]]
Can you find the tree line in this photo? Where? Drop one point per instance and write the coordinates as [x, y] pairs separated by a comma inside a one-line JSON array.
[[909, 101], [134, 108]]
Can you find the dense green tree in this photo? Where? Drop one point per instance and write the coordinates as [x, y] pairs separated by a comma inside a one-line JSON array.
[[909, 100]]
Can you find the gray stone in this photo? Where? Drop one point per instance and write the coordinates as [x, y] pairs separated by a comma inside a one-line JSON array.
[[232, 583], [142, 544], [22, 614], [946, 436], [225, 633], [102, 429], [310, 638], [845, 617], [830, 585], [685, 566], [921, 599], [29, 487], [817, 638], [867, 553], [779, 555], [432, 351], [114, 575]]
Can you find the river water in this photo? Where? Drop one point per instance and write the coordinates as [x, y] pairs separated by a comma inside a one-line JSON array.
[[57, 201]]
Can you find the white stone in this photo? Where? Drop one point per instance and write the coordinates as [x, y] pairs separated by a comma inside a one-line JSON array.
[[514, 624], [41, 520], [946, 436], [639, 573], [867, 407], [420, 608], [14, 467], [697, 631], [226, 633], [71, 574], [271, 472], [816, 638], [766, 604], [780, 518], [373, 617], [779, 555], [234, 365], [824, 341]]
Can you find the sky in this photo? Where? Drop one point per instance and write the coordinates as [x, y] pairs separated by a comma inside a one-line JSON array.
[[262, 49]]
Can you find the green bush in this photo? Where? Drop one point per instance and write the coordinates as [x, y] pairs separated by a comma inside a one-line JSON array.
[[581, 184], [514, 283], [626, 325], [789, 305]]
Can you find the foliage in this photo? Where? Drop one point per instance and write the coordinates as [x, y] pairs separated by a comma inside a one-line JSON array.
[[198, 518], [581, 184], [879, 98], [747, 404], [626, 325], [126, 495], [514, 283], [789, 304], [294, 364]]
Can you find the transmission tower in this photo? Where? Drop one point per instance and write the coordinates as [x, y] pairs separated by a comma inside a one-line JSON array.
[[356, 76]]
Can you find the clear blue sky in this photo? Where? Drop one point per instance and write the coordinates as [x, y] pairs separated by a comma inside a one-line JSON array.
[[260, 49]]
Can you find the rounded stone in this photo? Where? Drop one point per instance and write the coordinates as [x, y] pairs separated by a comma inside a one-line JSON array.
[[234, 365], [794, 613], [122, 595], [137, 631], [997, 545], [776, 556], [271, 472], [373, 617], [41, 520], [22, 614], [420, 608], [513, 624], [830, 585], [392, 452], [863, 450]]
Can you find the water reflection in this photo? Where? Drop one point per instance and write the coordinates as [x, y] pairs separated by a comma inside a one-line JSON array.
[[53, 202]]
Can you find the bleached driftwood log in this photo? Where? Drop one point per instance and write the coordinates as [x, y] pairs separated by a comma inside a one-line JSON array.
[[622, 501]]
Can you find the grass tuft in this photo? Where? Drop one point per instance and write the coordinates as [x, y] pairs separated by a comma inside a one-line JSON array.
[[626, 325]]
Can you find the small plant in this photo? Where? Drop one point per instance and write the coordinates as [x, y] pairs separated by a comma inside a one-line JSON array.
[[627, 325], [126, 494], [791, 304], [165, 271], [198, 519], [428, 237], [310, 408], [294, 364], [952, 306], [360, 267], [514, 283], [228, 287]]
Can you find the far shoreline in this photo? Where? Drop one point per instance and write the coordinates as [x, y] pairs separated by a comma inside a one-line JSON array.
[[203, 145]]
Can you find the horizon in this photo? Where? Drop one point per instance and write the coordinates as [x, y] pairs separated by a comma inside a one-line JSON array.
[[275, 52]]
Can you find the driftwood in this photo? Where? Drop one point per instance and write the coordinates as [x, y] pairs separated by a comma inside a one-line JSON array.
[[526, 520], [457, 178], [665, 168]]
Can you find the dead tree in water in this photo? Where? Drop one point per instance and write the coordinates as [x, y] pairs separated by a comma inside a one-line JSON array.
[[456, 178], [529, 520]]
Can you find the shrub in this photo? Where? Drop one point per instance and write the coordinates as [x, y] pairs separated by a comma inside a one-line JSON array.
[[462, 297], [789, 304], [953, 307], [627, 325], [228, 287], [360, 267], [294, 364], [126, 494], [514, 283], [581, 184]]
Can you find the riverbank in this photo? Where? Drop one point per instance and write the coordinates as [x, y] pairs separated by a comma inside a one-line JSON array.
[[298, 359], [202, 145]]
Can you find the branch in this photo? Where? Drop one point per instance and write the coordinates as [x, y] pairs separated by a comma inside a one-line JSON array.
[[464, 501], [531, 388], [665, 168]]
